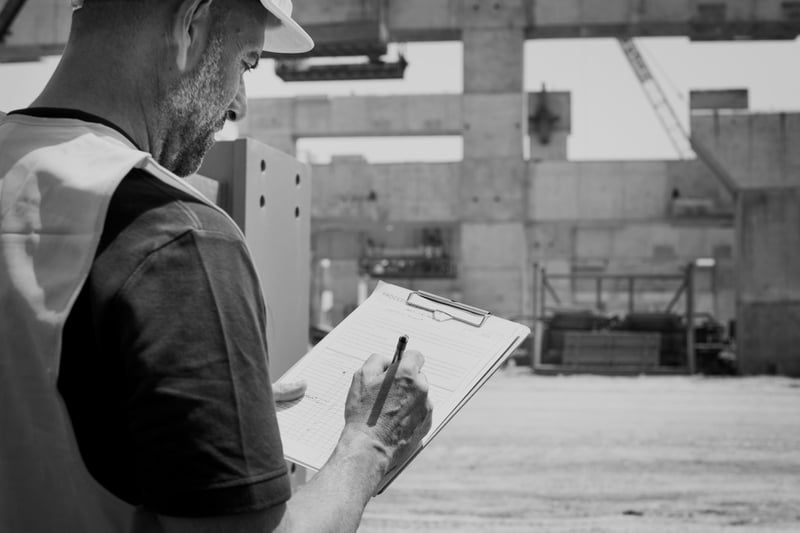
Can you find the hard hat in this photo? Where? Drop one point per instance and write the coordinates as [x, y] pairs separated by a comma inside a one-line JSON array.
[[288, 37]]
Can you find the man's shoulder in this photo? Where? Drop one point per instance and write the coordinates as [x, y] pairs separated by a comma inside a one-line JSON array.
[[146, 214], [147, 218], [148, 203]]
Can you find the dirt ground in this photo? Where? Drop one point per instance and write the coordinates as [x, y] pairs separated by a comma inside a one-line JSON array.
[[607, 454]]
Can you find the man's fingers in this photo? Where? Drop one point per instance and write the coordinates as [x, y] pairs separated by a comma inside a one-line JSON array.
[[428, 423], [411, 363], [376, 365], [288, 391]]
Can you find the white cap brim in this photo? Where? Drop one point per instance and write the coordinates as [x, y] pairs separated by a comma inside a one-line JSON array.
[[289, 37]]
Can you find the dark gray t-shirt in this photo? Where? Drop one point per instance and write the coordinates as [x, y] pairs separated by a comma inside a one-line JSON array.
[[164, 359]]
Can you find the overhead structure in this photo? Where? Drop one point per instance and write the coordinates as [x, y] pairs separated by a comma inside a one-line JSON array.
[[41, 28], [371, 69], [362, 41]]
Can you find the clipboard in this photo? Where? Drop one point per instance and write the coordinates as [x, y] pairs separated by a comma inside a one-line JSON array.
[[446, 309], [463, 347]]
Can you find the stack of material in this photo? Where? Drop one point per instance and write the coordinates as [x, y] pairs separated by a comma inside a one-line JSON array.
[[623, 350]]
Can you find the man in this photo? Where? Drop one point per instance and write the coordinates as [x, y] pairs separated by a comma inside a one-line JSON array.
[[134, 392]]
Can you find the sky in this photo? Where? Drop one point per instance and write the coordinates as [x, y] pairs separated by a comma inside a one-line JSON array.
[[612, 118]]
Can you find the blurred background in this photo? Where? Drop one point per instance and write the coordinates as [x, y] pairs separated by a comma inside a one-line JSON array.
[[618, 174], [623, 176]]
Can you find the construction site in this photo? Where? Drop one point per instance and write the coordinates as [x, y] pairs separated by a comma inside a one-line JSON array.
[[656, 391]]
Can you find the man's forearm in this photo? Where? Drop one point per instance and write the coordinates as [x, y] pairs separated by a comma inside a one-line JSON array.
[[334, 499]]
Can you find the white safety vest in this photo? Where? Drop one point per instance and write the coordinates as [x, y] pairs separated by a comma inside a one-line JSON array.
[[57, 177]]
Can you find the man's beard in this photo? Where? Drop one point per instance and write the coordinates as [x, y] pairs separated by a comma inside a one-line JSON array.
[[192, 112]]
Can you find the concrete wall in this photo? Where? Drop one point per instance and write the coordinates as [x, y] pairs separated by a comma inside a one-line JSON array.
[[768, 278], [615, 217], [693, 179], [615, 190], [405, 192], [619, 190], [611, 215]]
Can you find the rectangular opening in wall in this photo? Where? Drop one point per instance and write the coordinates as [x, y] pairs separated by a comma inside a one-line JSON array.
[[416, 149]]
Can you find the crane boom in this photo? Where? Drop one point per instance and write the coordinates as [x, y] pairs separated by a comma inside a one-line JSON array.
[[686, 146], [658, 100]]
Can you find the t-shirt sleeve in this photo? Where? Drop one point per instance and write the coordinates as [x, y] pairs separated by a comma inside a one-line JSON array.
[[191, 333]]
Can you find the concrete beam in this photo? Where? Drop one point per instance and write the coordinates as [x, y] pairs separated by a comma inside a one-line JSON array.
[[479, 117], [44, 24], [757, 149], [410, 20], [355, 116]]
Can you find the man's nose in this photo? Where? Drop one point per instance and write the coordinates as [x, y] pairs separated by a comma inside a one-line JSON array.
[[238, 108]]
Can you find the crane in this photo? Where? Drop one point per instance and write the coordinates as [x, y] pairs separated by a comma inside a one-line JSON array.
[[686, 146]]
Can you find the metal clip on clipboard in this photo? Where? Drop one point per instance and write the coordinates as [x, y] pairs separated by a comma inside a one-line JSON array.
[[446, 309]]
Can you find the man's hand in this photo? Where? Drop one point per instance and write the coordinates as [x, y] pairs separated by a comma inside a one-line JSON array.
[[287, 392], [405, 416]]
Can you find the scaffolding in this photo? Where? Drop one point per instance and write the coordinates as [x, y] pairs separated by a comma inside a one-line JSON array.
[[593, 341]]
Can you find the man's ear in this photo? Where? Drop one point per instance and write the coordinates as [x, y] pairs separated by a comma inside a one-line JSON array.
[[191, 28]]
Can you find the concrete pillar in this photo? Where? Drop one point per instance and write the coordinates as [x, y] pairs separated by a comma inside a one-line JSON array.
[[724, 290], [493, 181], [768, 279], [554, 149], [270, 121]]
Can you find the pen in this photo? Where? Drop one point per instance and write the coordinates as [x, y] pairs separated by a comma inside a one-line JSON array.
[[387, 380], [401, 346]]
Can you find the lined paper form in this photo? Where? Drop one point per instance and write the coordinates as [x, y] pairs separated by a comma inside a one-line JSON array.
[[459, 358]]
